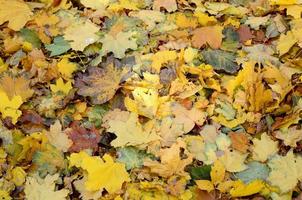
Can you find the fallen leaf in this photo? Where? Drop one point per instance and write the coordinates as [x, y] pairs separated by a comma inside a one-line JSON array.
[[101, 173], [17, 13], [211, 35], [37, 188], [100, 84]]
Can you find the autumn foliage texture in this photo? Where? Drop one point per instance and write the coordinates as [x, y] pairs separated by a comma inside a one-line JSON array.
[[150, 99]]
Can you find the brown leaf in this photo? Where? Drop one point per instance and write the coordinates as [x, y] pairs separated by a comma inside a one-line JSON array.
[[83, 138], [240, 141], [211, 35], [169, 5], [245, 33], [100, 84]]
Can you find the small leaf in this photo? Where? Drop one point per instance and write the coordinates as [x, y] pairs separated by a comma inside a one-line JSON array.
[[58, 47], [202, 172]]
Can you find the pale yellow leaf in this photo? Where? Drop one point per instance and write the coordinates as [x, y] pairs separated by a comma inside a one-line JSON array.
[[16, 12]]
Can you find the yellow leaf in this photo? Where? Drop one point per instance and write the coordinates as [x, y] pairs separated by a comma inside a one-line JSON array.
[[183, 21], [162, 57], [233, 161], [17, 13], [9, 107], [264, 148], [81, 34], [170, 161], [16, 87], [282, 2], [285, 42], [37, 188], [130, 131], [285, 171], [241, 190], [4, 195], [18, 176], [146, 102], [205, 185], [95, 4], [124, 4], [61, 86], [294, 10], [217, 172], [190, 54], [101, 174], [66, 68], [205, 19]]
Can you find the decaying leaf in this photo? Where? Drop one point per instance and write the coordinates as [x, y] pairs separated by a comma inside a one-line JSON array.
[[100, 84]]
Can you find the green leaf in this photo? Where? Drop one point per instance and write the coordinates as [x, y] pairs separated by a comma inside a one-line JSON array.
[[30, 36], [226, 109], [132, 157], [49, 160], [96, 113], [231, 40], [255, 170], [221, 60], [58, 47], [202, 172]]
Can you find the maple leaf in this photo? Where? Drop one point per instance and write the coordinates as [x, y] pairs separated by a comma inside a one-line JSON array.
[[285, 171], [60, 86], [82, 138], [58, 138], [37, 188], [131, 157], [264, 148], [146, 102], [66, 68], [101, 174], [188, 117], [58, 47], [255, 170], [211, 35], [171, 163], [81, 34], [17, 13], [119, 43], [9, 107], [100, 84], [16, 87], [162, 57], [217, 176], [130, 132], [240, 141], [290, 136], [234, 161]]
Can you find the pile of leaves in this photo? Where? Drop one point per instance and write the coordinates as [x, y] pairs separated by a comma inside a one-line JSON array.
[[150, 99]]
